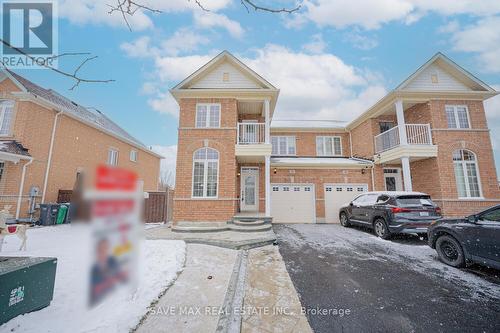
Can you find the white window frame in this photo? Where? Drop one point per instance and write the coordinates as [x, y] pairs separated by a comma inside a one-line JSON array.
[[134, 155], [207, 120], [4, 104], [113, 162], [2, 170], [323, 138], [463, 164], [455, 115], [289, 139], [205, 175]]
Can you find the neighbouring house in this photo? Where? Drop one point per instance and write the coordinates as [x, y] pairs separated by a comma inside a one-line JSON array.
[[429, 134], [47, 140]]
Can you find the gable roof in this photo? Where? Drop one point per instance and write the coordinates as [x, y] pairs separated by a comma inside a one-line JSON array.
[[87, 115], [212, 64], [452, 68], [478, 89]]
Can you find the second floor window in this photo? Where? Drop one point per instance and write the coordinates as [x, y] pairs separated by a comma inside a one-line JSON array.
[[457, 116], [207, 115], [283, 145], [328, 146], [133, 155], [6, 112], [112, 157]]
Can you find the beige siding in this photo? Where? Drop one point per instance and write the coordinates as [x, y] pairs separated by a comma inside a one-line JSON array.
[[446, 82], [237, 79]]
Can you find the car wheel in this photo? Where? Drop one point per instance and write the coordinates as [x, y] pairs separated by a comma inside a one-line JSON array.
[[450, 251], [344, 220], [381, 229]]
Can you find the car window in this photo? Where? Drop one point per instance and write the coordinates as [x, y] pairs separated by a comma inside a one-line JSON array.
[[382, 198], [414, 201], [370, 199], [493, 215], [359, 199]]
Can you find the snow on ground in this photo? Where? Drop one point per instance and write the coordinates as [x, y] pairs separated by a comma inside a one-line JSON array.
[[159, 263], [406, 250]]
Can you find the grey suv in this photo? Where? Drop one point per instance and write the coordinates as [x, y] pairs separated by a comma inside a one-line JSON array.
[[391, 212]]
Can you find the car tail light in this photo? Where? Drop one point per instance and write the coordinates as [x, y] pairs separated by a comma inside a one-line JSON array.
[[400, 210]]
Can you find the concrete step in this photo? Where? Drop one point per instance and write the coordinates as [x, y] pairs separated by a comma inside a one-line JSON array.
[[250, 228], [200, 227], [257, 222], [252, 218]]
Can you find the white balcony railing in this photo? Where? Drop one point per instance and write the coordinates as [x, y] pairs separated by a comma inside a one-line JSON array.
[[416, 134], [251, 133]]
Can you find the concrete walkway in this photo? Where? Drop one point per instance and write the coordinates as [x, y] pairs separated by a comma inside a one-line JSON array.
[[227, 239], [270, 297], [187, 305]]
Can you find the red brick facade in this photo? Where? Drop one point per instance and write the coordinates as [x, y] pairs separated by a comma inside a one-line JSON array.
[[77, 147]]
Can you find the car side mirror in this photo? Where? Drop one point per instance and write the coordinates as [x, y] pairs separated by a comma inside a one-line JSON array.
[[351, 204], [472, 218]]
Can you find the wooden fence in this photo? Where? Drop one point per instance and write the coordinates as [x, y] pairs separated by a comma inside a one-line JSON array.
[[157, 208]]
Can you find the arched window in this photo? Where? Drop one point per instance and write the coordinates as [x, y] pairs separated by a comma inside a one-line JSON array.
[[466, 174], [205, 173]]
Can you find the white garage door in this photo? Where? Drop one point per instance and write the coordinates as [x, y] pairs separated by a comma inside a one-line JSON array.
[[293, 203], [337, 195]]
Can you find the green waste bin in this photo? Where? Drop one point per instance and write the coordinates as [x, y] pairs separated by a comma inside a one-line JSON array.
[[61, 214], [26, 284]]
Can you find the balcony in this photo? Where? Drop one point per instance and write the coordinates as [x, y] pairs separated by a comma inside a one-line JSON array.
[[251, 133], [251, 143], [417, 145]]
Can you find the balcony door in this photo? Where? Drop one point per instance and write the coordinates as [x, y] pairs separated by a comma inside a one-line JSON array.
[[393, 180], [387, 141], [249, 190]]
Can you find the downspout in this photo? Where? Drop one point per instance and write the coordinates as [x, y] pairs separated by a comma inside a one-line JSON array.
[[373, 177], [49, 159], [350, 142], [21, 186]]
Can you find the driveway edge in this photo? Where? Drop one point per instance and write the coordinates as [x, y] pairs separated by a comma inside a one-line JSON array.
[[230, 319]]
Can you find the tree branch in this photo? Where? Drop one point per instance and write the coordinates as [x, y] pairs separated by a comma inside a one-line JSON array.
[[78, 79], [128, 8], [251, 4]]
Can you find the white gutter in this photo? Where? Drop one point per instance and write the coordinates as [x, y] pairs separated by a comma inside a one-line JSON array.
[[21, 186], [49, 159]]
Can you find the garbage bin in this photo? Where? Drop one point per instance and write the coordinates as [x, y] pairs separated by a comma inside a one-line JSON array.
[[48, 214], [26, 284], [61, 214]]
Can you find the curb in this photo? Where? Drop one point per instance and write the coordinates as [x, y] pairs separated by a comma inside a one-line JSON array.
[[230, 320]]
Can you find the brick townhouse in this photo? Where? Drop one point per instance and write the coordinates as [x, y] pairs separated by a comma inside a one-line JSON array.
[[46, 140], [429, 134]]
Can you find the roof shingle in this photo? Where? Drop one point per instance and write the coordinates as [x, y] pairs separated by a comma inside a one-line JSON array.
[[85, 114]]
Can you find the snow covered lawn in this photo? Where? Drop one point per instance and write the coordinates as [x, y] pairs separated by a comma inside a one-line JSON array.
[[160, 262]]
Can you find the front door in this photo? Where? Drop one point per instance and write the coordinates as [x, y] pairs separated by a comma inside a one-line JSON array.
[[249, 196], [392, 179]]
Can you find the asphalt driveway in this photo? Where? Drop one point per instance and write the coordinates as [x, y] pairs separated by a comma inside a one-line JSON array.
[[351, 281]]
